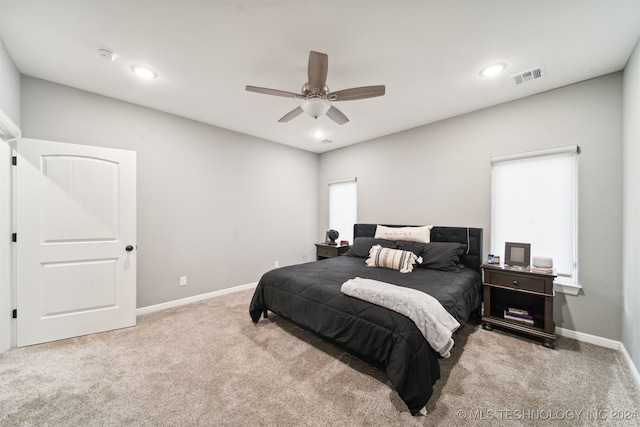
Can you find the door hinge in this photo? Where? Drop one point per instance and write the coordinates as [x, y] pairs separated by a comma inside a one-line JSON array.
[[15, 313], [14, 160], [14, 237]]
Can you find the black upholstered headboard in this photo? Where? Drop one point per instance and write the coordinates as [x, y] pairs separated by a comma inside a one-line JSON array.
[[472, 237]]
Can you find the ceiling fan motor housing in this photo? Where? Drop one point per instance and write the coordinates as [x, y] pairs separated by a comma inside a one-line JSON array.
[[307, 91]]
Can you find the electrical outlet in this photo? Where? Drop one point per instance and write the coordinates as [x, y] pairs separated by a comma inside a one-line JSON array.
[[276, 264], [183, 280]]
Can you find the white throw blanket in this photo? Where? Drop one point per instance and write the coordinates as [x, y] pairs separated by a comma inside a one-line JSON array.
[[435, 323]]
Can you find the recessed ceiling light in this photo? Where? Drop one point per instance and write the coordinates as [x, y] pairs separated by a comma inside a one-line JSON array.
[[318, 134], [493, 70], [143, 72]]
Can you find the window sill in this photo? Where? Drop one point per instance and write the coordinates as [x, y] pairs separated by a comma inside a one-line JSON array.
[[566, 288]]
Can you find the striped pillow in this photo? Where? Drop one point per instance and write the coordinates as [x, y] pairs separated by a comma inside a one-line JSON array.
[[392, 258]]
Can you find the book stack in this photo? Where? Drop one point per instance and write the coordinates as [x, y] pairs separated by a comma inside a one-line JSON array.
[[518, 315]]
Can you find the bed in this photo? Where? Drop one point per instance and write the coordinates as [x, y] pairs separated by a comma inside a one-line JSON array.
[[310, 296]]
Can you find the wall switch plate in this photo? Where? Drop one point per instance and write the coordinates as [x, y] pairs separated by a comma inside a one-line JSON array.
[[183, 281], [276, 264]]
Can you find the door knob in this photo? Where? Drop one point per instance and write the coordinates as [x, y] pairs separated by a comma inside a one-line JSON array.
[[129, 248]]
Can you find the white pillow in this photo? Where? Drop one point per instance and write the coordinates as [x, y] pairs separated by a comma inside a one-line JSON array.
[[392, 258], [409, 234]]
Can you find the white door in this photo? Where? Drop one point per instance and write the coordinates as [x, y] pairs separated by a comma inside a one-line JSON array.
[[76, 239]]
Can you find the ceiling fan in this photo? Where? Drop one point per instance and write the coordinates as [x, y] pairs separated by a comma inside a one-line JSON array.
[[316, 95]]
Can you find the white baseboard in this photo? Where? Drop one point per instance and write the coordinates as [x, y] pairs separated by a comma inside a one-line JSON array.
[[632, 367], [195, 298], [591, 339], [603, 342]]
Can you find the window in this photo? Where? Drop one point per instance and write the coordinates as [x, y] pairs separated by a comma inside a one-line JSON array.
[[343, 207], [534, 200]]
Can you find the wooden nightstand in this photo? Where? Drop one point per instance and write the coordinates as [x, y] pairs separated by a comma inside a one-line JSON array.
[[329, 251], [511, 287]]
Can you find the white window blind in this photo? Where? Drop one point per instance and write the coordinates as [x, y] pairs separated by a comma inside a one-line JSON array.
[[534, 200], [343, 207]]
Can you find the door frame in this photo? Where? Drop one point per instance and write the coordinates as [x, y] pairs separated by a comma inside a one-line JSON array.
[[9, 132]]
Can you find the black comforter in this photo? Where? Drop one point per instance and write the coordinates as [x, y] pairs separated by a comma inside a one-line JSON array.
[[309, 295]]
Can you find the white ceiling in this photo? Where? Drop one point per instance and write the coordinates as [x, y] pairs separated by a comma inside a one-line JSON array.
[[427, 53]]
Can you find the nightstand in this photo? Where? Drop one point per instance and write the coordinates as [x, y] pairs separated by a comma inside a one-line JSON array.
[[329, 251], [521, 289]]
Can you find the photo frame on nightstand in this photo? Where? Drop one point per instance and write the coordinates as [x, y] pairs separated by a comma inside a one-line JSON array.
[[517, 254]]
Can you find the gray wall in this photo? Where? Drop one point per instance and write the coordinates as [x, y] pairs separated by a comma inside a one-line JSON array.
[[631, 260], [216, 206], [441, 174], [9, 86]]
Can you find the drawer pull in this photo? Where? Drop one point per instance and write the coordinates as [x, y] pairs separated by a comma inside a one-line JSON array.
[[515, 283]]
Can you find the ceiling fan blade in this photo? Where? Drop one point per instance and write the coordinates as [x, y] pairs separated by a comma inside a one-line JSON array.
[[337, 116], [357, 93], [318, 66], [291, 114], [274, 92]]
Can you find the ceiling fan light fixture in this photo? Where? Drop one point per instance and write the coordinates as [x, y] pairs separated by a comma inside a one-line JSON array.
[[315, 107], [493, 70]]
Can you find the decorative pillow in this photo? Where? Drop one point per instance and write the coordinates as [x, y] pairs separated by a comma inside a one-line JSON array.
[[414, 247], [443, 256], [410, 234], [402, 261], [362, 245]]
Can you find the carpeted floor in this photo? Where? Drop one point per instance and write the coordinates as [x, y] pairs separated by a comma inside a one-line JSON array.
[[206, 364]]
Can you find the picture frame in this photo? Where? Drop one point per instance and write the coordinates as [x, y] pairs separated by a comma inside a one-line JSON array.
[[517, 254]]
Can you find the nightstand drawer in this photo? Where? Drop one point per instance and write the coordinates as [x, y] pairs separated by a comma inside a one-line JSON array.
[[327, 252], [517, 282]]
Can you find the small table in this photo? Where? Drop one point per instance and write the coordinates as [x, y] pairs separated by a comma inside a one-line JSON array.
[[329, 251], [519, 288]]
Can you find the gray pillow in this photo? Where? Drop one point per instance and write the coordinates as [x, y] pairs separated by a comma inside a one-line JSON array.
[[362, 245], [444, 256]]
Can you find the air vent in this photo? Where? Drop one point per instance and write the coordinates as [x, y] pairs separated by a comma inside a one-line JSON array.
[[326, 141], [528, 75]]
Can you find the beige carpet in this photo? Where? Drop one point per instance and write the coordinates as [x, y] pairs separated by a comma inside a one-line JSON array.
[[206, 364]]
